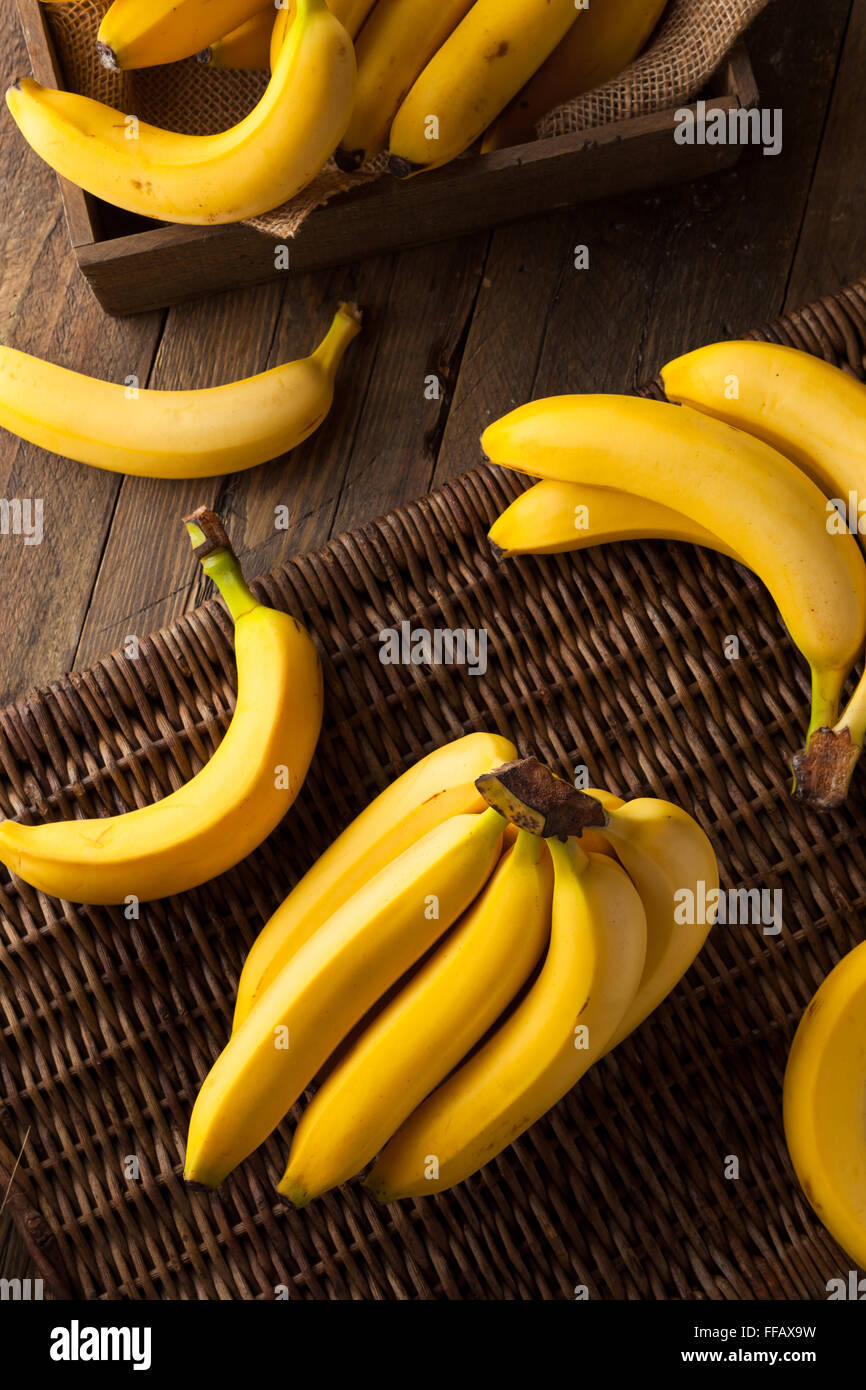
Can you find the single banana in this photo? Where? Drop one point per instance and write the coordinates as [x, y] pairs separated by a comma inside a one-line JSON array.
[[476, 72], [227, 809], [173, 434], [590, 975], [246, 48], [816, 415], [428, 1028], [205, 179], [752, 497], [823, 1103], [438, 787], [593, 841], [666, 855], [350, 13], [328, 986], [141, 35], [553, 517], [392, 50], [610, 34]]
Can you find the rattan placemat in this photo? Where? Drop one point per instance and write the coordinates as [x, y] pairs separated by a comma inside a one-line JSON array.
[[613, 658]]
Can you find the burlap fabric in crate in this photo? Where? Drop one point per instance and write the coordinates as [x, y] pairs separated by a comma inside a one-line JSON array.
[[689, 44], [611, 657]]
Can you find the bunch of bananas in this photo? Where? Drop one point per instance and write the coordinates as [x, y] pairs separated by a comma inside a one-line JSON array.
[[228, 809], [431, 77], [471, 902], [762, 449]]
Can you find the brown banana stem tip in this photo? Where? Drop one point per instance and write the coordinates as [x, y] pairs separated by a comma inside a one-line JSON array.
[[216, 536], [107, 57], [532, 797], [822, 772]]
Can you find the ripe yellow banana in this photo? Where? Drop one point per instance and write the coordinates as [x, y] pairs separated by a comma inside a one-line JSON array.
[[590, 975], [476, 72], [205, 179], [328, 986], [825, 1085], [350, 13], [392, 50], [232, 805], [610, 34], [665, 854], [592, 840], [754, 499], [173, 434], [553, 517], [134, 34], [427, 1030], [438, 787], [816, 415], [246, 48]]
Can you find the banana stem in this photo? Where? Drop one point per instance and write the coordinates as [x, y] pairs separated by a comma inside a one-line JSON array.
[[219, 562], [533, 798], [346, 325]]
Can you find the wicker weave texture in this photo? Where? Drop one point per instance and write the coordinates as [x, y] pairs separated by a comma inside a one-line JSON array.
[[613, 658]]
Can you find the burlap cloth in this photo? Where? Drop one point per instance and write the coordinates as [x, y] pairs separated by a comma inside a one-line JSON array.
[[689, 44]]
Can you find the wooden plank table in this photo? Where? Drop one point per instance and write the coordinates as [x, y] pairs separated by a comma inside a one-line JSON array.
[[497, 317]]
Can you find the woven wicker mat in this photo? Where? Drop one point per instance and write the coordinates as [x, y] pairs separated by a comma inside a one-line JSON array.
[[613, 658]]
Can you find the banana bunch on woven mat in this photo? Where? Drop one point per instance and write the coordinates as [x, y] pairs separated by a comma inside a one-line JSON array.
[[427, 81], [452, 965]]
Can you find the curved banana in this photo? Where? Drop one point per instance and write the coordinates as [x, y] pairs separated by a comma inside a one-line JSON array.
[[173, 434], [438, 787], [610, 34], [392, 50], [427, 1030], [328, 986], [227, 809], [476, 72], [825, 1083], [247, 48], [141, 35], [756, 500], [816, 415], [593, 841], [666, 855], [205, 179], [554, 517], [590, 975]]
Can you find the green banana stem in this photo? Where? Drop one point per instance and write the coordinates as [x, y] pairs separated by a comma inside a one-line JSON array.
[[219, 562], [823, 771]]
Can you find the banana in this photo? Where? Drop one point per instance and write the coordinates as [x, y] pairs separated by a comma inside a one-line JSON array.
[[593, 840], [610, 34], [476, 72], [350, 13], [173, 434], [328, 986], [140, 35], [553, 517], [825, 1083], [753, 498], [816, 415], [392, 50], [232, 805], [590, 975], [438, 787], [205, 179], [665, 854], [427, 1030], [247, 48]]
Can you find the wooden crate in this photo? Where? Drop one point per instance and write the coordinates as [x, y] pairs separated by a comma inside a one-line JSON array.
[[133, 264]]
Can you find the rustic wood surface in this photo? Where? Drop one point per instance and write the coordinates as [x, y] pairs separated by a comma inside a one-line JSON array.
[[496, 317]]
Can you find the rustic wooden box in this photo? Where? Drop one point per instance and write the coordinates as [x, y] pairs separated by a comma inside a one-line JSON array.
[[133, 264]]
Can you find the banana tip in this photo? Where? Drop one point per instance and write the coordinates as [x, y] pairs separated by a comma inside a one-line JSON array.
[[204, 56], [296, 1195], [347, 161], [107, 56], [402, 168]]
